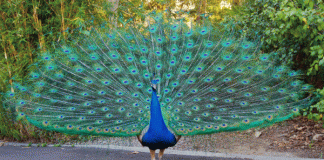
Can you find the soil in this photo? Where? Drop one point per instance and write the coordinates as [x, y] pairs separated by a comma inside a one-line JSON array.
[[299, 137]]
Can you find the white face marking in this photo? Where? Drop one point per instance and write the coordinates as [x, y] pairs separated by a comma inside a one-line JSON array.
[[154, 86]]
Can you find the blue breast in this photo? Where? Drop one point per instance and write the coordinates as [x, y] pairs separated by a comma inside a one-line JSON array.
[[158, 136]]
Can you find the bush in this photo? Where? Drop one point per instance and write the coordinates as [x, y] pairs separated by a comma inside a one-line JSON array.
[[295, 30]]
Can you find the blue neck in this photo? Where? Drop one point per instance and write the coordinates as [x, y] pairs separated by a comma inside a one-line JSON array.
[[156, 121], [158, 136]]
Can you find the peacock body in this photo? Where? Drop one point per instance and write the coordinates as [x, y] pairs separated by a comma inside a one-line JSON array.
[[205, 80], [158, 136]]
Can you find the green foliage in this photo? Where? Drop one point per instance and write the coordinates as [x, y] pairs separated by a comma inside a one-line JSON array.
[[27, 27], [57, 145], [7, 129], [316, 111], [44, 144], [294, 29], [194, 10]]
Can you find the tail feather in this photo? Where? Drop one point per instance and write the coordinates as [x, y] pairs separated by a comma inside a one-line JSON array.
[[210, 80]]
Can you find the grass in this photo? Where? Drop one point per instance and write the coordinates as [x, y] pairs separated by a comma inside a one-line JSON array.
[[44, 144], [23, 131], [57, 145]]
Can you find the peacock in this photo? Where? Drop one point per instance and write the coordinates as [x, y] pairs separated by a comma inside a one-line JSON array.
[[159, 80]]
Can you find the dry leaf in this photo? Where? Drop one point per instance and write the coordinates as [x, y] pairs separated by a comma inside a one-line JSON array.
[[257, 134], [135, 152]]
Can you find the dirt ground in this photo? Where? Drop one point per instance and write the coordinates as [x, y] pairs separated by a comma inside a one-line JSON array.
[[299, 137]]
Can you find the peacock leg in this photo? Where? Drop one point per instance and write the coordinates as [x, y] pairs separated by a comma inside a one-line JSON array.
[[178, 138], [161, 153], [152, 154], [139, 139]]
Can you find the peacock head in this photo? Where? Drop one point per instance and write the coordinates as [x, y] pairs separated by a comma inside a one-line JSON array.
[[154, 82]]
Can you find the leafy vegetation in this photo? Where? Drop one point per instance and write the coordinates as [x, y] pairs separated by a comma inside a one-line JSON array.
[[295, 30], [27, 27]]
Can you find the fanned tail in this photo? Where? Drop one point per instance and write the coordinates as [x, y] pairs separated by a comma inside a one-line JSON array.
[[209, 80]]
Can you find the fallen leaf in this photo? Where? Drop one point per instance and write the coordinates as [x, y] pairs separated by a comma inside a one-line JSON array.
[[293, 137], [135, 152], [301, 128], [317, 126], [282, 135], [318, 136], [257, 134]]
